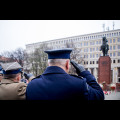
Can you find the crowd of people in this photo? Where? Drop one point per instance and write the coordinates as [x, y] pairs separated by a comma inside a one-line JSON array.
[[54, 84]]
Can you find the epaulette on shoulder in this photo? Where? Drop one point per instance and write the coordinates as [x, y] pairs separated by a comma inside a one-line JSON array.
[[36, 77], [76, 76]]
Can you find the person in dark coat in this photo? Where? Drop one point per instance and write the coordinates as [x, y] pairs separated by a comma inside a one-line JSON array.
[[1, 73], [56, 84]]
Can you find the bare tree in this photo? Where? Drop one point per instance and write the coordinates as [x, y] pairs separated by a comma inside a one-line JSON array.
[[17, 55], [26, 63], [38, 60], [75, 55]]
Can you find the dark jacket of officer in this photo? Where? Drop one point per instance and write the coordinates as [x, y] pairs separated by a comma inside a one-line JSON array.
[[56, 84]]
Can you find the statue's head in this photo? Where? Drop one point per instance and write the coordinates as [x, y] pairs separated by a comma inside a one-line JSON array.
[[105, 40]]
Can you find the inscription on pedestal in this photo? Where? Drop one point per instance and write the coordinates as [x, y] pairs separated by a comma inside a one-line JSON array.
[[104, 62]]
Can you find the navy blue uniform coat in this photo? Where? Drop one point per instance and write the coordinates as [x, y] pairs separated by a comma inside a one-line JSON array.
[[56, 84]]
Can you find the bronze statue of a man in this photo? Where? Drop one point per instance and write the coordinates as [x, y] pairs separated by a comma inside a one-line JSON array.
[[104, 47]]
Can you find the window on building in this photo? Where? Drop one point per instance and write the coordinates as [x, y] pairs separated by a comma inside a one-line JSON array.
[[110, 54], [90, 43], [118, 46], [81, 44], [118, 74], [90, 49], [114, 47], [97, 49], [114, 54], [110, 47], [86, 49], [96, 55], [118, 60], [110, 40], [100, 42], [118, 53], [118, 39], [113, 61], [84, 43], [117, 33], [113, 40], [110, 34], [92, 70]]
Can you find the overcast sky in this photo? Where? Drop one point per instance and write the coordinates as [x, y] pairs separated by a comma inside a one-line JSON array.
[[18, 33]]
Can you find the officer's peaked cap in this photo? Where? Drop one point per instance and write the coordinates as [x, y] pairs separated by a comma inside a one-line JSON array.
[[59, 53], [11, 68]]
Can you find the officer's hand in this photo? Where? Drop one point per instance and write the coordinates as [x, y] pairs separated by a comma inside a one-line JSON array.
[[79, 68], [26, 75], [29, 76]]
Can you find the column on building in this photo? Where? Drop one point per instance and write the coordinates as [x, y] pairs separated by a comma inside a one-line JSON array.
[[89, 70], [115, 75], [95, 73], [112, 75]]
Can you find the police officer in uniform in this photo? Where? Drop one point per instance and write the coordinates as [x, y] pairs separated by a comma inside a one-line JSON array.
[[10, 87], [56, 84]]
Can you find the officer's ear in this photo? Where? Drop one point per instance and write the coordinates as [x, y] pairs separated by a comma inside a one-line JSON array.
[[67, 65], [18, 77]]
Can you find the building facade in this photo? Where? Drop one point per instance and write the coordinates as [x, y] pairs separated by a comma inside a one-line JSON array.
[[90, 50]]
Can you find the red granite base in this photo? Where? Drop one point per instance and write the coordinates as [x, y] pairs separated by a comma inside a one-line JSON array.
[[104, 70]]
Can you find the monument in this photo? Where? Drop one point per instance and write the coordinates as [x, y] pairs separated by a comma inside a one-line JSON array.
[[104, 64]]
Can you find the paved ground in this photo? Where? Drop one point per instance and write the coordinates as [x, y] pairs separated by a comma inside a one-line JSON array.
[[113, 96]]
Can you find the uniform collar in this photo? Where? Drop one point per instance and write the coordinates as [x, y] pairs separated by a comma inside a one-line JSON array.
[[7, 81], [54, 69]]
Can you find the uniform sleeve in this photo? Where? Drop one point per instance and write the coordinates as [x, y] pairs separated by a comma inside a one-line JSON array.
[[21, 91], [94, 91]]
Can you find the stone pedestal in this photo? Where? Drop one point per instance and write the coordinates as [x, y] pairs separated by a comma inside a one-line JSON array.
[[118, 87], [104, 69]]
